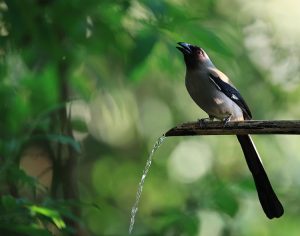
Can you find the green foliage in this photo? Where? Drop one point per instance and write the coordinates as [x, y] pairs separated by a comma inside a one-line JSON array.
[[49, 213], [173, 221], [79, 125], [22, 216]]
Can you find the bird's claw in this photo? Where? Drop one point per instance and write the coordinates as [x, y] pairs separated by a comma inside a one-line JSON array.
[[226, 120], [202, 122]]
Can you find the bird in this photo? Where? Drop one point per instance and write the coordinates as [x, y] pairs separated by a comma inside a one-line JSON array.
[[215, 94]]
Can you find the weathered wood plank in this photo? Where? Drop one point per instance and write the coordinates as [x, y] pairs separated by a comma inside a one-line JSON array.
[[237, 127]]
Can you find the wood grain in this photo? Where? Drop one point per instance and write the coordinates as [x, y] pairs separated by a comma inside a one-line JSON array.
[[237, 127]]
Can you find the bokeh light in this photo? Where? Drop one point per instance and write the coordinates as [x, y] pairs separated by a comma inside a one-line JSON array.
[[113, 117], [189, 161]]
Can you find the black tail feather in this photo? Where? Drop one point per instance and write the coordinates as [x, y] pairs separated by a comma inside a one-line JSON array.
[[267, 197]]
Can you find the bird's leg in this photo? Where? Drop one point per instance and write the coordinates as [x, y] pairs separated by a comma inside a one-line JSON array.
[[202, 121], [226, 120]]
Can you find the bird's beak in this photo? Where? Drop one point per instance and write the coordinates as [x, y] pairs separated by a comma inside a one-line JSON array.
[[185, 48]]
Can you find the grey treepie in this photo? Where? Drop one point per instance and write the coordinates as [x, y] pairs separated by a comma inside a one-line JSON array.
[[213, 92]]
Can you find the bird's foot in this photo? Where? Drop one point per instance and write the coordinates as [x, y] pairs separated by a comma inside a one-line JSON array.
[[202, 122], [226, 120]]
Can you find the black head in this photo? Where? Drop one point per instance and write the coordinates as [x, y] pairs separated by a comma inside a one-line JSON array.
[[194, 56]]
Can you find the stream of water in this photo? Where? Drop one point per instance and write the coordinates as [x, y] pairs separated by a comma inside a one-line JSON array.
[[134, 209]]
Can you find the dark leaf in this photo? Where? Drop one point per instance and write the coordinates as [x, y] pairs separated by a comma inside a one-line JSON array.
[[79, 125]]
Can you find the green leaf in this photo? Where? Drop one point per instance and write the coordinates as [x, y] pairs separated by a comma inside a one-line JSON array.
[[65, 140], [177, 221], [79, 125], [29, 230], [16, 174], [60, 139], [226, 200], [144, 44], [211, 40], [50, 213], [8, 202]]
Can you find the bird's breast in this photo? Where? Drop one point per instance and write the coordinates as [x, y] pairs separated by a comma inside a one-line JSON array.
[[209, 98]]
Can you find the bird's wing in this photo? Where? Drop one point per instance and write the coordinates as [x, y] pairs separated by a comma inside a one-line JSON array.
[[223, 84]]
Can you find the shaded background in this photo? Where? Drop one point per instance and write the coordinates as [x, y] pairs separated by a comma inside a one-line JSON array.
[[88, 86]]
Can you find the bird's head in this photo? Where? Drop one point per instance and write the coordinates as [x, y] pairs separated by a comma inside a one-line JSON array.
[[194, 56]]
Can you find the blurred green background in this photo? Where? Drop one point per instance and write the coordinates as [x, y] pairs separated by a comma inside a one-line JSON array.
[[88, 86]]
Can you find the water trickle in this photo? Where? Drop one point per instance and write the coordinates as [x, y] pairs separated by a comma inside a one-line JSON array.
[[134, 209]]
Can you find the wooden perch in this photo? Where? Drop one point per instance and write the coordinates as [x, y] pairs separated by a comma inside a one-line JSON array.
[[237, 127]]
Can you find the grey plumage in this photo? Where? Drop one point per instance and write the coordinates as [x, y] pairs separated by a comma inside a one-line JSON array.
[[213, 92]]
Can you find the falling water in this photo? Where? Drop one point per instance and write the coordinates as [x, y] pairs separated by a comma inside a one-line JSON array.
[[134, 209]]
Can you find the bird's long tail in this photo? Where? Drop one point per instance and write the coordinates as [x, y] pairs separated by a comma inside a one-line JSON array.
[[267, 197]]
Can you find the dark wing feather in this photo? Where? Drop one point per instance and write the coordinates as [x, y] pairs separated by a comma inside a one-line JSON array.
[[232, 93]]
